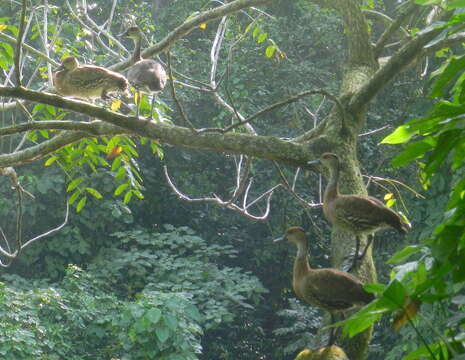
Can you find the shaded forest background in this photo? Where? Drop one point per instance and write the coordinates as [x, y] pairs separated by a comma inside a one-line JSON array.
[[188, 280]]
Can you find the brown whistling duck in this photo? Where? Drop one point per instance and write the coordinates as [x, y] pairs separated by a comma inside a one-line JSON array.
[[329, 289], [146, 75], [358, 214], [331, 352], [87, 81]]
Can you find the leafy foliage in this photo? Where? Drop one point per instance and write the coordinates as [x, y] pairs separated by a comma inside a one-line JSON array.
[[75, 319], [179, 261]]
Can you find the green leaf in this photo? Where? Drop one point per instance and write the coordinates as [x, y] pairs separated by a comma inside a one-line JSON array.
[[404, 254], [153, 315], [446, 142], [94, 193], [120, 189], [171, 321], [73, 197], [81, 203], [262, 37], [395, 294], [73, 184], [127, 197], [452, 4], [270, 50], [51, 160], [400, 135], [162, 333], [414, 151], [374, 288], [445, 74]]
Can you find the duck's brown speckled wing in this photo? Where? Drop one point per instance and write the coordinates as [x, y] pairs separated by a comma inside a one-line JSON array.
[[335, 290]]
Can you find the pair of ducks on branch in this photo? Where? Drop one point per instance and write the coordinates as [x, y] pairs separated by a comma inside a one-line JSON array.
[[331, 289], [90, 81]]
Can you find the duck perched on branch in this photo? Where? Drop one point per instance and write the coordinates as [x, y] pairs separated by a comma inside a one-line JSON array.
[[87, 81], [331, 352], [329, 289], [146, 75], [358, 214]]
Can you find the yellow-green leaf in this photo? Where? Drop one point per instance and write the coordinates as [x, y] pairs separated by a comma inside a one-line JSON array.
[[400, 135], [73, 197], [51, 160], [94, 193], [73, 184], [269, 51], [115, 104], [120, 189], [81, 203]]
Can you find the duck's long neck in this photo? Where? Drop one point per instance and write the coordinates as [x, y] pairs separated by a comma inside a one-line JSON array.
[[136, 56], [301, 266], [332, 189]]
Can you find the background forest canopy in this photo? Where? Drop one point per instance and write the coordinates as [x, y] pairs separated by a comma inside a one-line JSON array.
[[150, 236]]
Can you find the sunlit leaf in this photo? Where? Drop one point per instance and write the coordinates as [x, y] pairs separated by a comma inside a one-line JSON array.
[[73, 184], [270, 50], [94, 193], [115, 104], [51, 160], [390, 203], [81, 204], [388, 196], [262, 37], [74, 197], [400, 135], [119, 190]]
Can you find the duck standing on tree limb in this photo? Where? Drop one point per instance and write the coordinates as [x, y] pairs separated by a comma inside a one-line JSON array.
[[358, 214], [332, 290], [87, 81], [146, 75]]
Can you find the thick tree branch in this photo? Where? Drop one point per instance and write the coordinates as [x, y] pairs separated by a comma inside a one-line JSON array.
[[394, 27], [258, 146], [190, 25], [39, 151], [396, 63], [96, 128]]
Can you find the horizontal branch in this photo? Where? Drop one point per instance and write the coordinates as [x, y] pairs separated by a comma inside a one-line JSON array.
[[189, 25], [265, 147], [39, 151], [94, 127]]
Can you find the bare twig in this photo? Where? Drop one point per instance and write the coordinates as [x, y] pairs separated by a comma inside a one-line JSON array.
[[50, 232], [274, 106], [18, 50], [109, 21], [371, 132], [244, 209], [291, 189], [176, 100]]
